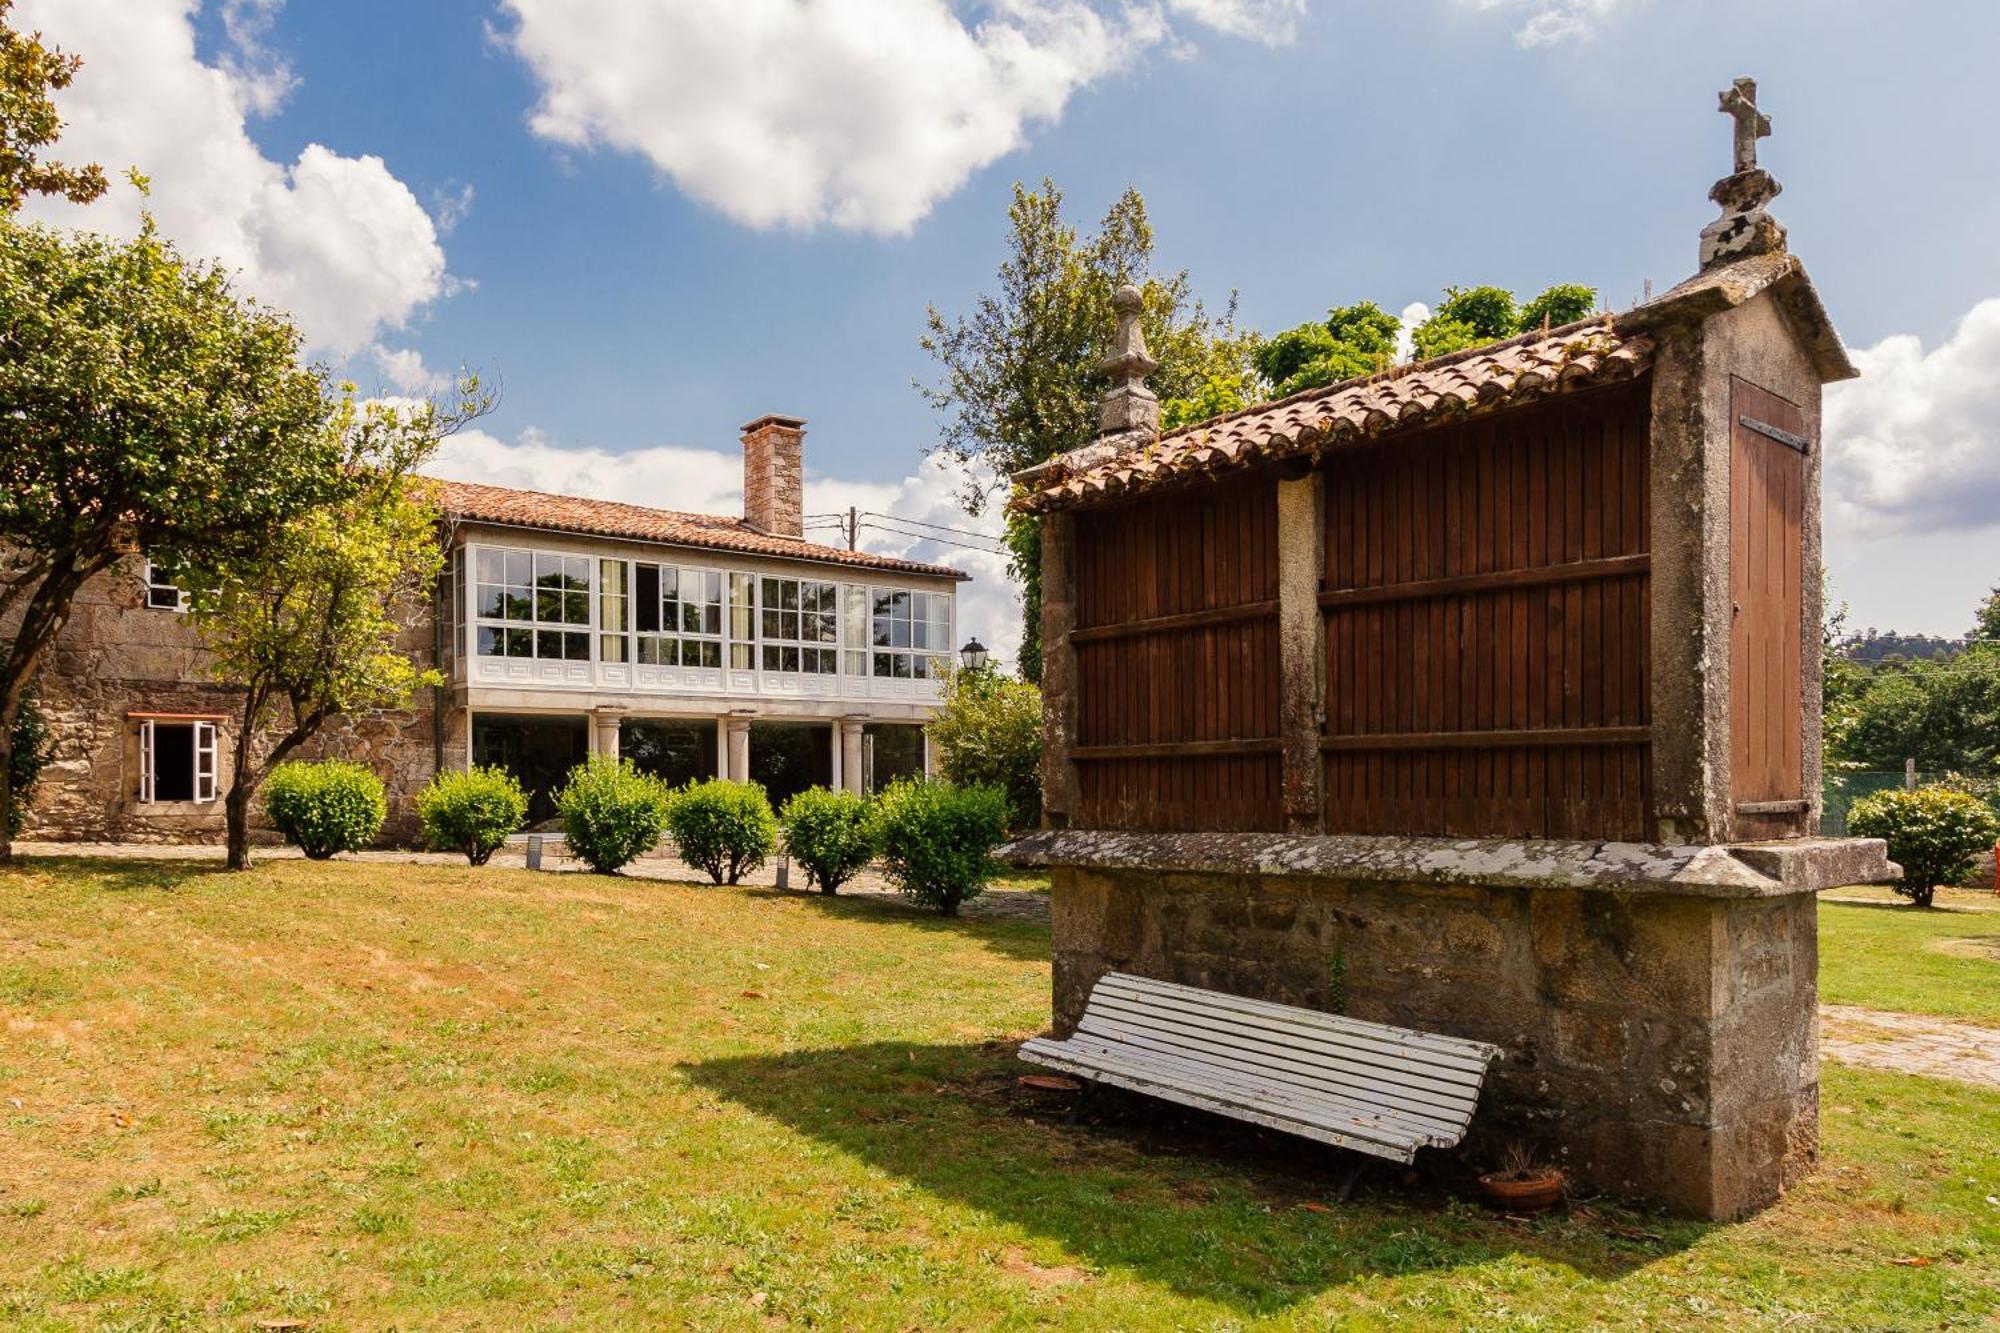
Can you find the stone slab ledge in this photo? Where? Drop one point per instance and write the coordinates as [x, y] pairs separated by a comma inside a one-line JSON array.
[[1740, 870]]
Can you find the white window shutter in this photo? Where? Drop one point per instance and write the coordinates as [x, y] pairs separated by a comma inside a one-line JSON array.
[[146, 760], [204, 761]]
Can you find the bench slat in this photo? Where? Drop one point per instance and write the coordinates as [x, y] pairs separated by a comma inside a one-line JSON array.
[[1373, 1087], [1377, 1142], [1449, 1053], [1359, 1109], [1329, 1056], [1326, 1084]]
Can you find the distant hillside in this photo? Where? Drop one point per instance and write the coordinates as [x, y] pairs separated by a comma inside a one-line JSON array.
[[1873, 646]]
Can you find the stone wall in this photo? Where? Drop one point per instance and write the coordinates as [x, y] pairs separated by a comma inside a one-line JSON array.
[[117, 656], [1656, 1005]]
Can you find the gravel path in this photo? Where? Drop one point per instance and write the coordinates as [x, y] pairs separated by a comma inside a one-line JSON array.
[[1910, 1043]]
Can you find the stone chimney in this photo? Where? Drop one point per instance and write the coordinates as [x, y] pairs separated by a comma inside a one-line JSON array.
[[774, 475]]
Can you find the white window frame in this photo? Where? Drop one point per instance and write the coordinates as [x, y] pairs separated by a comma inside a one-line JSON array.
[[772, 645], [204, 760], [678, 633], [533, 625], [926, 661], [157, 582]]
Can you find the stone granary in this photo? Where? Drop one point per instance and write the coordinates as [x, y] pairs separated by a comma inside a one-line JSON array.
[[1480, 695], [693, 644]]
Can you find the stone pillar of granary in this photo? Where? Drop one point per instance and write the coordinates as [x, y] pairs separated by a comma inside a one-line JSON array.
[[1301, 646], [852, 772]]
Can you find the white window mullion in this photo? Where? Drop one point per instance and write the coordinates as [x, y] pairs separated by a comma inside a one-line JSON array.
[[204, 761], [146, 760]]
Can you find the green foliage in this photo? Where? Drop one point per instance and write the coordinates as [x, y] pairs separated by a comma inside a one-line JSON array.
[[1215, 397], [1019, 376], [938, 840], [723, 828], [1354, 340], [29, 72], [611, 812], [831, 834], [989, 733], [471, 812], [1933, 833], [30, 756], [326, 807], [1944, 712], [1474, 316]]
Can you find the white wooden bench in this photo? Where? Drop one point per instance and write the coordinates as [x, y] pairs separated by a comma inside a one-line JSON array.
[[1383, 1090]]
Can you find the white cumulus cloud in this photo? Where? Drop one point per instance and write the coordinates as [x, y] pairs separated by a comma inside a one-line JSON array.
[[1913, 446], [710, 481], [1549, 22], [861, 114], [338, 241]]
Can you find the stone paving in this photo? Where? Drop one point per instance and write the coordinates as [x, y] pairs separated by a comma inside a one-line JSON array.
[[1910, 1043]]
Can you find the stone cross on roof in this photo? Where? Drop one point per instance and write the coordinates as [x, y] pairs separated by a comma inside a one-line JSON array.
[[1751, 124]]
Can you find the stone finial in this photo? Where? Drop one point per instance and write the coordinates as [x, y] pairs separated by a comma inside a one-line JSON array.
[[1128, 405], [1744, 227]]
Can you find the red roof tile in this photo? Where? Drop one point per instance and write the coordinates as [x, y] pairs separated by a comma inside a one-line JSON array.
[[1463, 384], [475, 503]]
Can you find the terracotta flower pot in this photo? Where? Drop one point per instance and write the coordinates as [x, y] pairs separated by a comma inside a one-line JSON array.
[[1527, 1191]]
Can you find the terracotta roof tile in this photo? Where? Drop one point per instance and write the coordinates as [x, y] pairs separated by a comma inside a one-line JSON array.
[[1480, 380], [472, 502]]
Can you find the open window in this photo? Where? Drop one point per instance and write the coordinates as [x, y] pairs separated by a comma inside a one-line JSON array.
[[176, 760], [162, 593]]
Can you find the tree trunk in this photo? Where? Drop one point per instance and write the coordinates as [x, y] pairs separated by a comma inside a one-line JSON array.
[[6, 792], [238, 809]]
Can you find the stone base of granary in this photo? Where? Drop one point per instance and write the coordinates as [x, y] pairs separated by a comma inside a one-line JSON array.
[[1656, 1005]]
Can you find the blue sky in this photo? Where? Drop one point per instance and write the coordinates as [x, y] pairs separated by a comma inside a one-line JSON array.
[[651, 220]]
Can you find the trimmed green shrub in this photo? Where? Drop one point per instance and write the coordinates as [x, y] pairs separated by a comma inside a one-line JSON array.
[[31, 754], [1932, 832], [831, 834], [938, 840], [989, 733], [611, 812], [471, 812], [328, 807], [723, 828]]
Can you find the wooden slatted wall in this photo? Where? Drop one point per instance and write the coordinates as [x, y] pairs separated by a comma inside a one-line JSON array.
[[1486, 604], [1177, 660]]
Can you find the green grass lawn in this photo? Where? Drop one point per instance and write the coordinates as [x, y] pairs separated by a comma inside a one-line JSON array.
[[1943, 960], [363, 1095]]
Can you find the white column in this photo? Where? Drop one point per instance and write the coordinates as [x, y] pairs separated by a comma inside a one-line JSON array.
[[852, 770], [604, 731], [739, 748]]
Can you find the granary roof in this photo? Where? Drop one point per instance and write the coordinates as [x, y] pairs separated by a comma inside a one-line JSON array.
[[466, 501], [1478, 380]]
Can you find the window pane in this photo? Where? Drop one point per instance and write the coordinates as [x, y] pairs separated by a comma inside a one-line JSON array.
[[492, 566], [899, 634], [740, 657], [520, 643], [548, 644], [492, 601], [520, 568], [611, 647], [857, 664], [492, 642], [576, 647], [770, 657], [883, 665], [576, 608], [548, 606]]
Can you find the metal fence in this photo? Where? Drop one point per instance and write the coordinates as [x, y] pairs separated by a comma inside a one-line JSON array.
[[1844, 789]]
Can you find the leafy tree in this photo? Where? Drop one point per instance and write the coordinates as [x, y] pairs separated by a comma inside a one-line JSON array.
[[307, 624], [32, 746], [1019, 378], [29, 72], [989, 733], [1844, 683], [1354, 340], [143, 407], [1472, 316], [1942, 712]]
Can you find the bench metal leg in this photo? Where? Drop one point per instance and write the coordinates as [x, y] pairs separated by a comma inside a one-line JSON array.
[[1353, 1178]]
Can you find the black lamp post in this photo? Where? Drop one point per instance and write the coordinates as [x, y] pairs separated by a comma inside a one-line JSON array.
[[973, 656]]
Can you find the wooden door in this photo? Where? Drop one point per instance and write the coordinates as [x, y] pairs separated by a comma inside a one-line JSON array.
[[1767, 489]]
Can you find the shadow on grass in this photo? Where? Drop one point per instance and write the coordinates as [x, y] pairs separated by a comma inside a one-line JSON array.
[[1208, 1207], [125, 874], [1025, 941]]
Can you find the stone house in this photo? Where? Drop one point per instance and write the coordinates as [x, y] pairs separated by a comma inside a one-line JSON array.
[[1479, 696], [697, 645]]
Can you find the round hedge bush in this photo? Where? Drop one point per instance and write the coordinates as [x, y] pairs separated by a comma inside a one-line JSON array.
[[611, 812], [938, 840], [471, 812], [831, 834], [324, 808], [723, 828], [1932, 832]]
